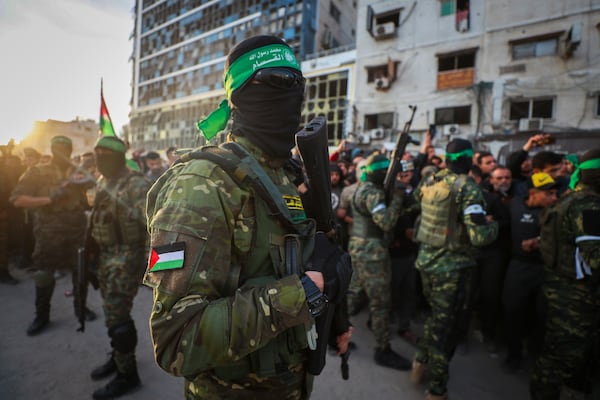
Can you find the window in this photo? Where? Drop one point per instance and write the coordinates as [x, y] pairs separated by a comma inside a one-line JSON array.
[[456, 61], [334, 12], [453, 115], [449, 7], [539, 46], [598, 105], [531, 108], [381, 120], [381, 22], [382, 71]]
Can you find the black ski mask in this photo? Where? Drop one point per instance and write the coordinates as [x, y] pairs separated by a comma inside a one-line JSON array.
[[267, 115], [110, 164], [459, 156]]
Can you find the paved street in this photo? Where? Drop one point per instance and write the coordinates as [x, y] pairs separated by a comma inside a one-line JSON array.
[[56, 364]]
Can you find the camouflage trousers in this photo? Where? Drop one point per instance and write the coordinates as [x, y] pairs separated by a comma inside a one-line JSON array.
[[120, 273], [372, 278], [570, 350], [295, 384], [57, 238], [448, 295]]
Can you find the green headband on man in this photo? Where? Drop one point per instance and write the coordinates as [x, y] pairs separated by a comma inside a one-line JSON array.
[[111, 143], [457, 155], [594, 163], [270, 56]]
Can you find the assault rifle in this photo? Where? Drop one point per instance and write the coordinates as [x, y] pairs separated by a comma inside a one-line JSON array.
[[403, 140], [87, 264], [312, 145]]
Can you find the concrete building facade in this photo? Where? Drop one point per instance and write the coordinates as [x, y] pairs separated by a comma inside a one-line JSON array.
[[483, 70], [180, 48]]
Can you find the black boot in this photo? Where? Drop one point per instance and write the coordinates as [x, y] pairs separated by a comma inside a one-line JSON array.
[[120, 385], [105, 370], [42, 310], [387, 357]]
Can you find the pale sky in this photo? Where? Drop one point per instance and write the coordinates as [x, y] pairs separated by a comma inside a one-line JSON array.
[[52, 57]]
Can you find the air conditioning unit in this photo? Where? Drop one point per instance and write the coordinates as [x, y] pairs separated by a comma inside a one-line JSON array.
[[531, 124], [385, 30], [451, 129], [378, 133], [364, 138], [382, 83]]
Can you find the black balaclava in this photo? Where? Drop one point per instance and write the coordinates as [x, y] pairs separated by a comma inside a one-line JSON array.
[[110, 164], [268, 116], [463, 163], [61, 148]]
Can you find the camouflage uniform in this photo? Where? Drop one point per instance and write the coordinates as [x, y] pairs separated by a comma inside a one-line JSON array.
[[573, 316], [446, 273], [368, 248], [58, 228], [119, 229], [3, 219], [229, 319]]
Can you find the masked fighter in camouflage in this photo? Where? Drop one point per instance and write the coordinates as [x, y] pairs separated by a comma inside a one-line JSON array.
[[58, 224], [119, 229], [452, 222], [570, 246], [228, 315]]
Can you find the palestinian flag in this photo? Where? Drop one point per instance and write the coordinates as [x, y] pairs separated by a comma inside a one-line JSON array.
[[106, 126], [169, 256]]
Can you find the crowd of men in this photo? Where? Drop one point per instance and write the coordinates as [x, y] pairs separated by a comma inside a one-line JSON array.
[[240, 276]]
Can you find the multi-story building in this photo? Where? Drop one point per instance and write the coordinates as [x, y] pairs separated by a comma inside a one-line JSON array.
[[489, 71], [83, 133], [180, 47]]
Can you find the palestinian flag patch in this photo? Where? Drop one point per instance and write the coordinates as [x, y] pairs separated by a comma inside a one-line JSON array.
[[169, 256]]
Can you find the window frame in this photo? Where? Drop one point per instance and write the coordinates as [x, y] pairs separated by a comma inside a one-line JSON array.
[[466, 109], [536, 44], [530, 108]]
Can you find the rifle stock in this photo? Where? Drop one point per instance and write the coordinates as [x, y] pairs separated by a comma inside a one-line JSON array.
[[312, 145], [403, 140]]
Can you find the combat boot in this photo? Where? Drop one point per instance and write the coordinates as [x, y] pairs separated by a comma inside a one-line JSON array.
[[387, 357], [417, 372], [431, 396], [42, 310], [120, 385], [104, 370]]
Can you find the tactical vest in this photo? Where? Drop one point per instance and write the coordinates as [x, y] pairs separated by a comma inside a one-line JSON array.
[[362, 223], [115, 221], [559, 254], [439, 225], [282, 247]]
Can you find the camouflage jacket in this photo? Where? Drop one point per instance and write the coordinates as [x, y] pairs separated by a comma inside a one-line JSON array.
[[373, 222], [223, 305], [471, 213], [41, 180], [576, 243], [119, 212]]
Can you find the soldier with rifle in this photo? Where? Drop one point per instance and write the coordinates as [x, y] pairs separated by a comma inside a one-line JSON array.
[[238, 272], [58, 207], [376, 208], [118, 229]]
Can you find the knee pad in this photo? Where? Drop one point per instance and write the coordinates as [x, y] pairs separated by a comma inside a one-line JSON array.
[[123, 337]]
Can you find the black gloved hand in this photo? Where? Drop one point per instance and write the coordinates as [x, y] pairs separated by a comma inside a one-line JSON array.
[[58, 193], [335, 265]]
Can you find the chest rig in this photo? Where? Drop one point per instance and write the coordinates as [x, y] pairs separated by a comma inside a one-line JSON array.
[[115, 221], [279, 242]]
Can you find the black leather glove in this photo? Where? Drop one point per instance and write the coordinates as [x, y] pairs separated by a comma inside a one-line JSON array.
[[335, 265], [58, 193]]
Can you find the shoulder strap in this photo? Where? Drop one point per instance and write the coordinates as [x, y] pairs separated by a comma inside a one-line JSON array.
[[247, 172]]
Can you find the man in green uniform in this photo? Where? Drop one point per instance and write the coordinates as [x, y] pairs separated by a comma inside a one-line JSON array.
[[58, 224], [233, 299], [369, 249], [5, 186], [452, 223], [570, 246], [119, 229]]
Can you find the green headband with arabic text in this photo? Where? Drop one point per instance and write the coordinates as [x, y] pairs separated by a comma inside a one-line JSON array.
[[457, 155], [270, 56], [594, 163]]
